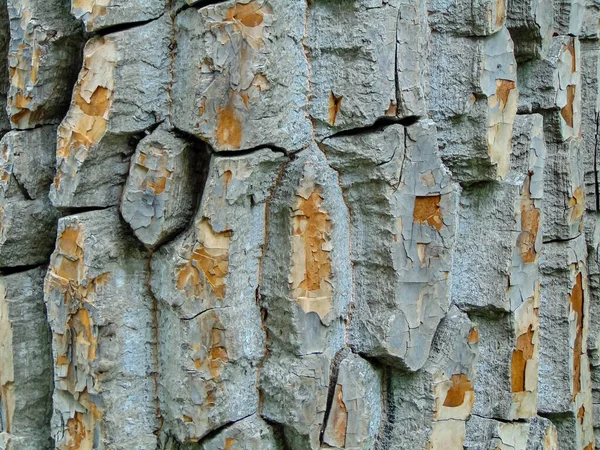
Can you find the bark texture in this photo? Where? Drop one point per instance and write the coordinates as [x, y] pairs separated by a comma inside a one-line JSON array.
[[299, 224]]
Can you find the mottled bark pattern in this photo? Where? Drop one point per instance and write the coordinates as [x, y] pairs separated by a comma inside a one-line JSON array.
[[299, 224]]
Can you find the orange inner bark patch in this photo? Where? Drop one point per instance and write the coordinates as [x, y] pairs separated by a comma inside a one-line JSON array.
[[151, 170], [79, 434], [503, 88], [427, 210], [209, 262], [576, 304], [68, 265], [335, 104], [577, 205], [473, 336], [500, 12], [311, 264], [456, 394], [87, 121], [21, 101], [338, 420], [581, 414], [590, 446], [81, 325], [567, 111], [229, 128], [520, 356], [530, 223], [212, 350], [229, 443], [571, 49], [99, 102], [249, 14]]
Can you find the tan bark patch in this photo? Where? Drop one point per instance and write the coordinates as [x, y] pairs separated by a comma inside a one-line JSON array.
[[392, 109], [502, 108], [530, 223], [311, 264], [567, 111], [249, 14], [229, 128], [208, 262], [87, 118], [338, 420], [210, 355], [577, 205], [500, 12], [7, 386]]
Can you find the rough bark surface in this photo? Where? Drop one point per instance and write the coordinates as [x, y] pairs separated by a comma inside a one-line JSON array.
[[299, 224]]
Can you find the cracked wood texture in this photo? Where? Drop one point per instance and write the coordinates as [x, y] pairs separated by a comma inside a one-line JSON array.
[[299, 224]]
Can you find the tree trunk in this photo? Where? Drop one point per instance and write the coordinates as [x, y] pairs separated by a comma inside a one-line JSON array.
[[299, 224]]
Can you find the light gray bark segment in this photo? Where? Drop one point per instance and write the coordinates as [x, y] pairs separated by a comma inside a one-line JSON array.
[[103, 325], [122, 90], [43, 56], [160, 193], [26, 371], [206, 283], [27, 219]]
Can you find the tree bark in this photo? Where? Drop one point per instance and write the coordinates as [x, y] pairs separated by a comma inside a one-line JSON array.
[[299, 224]]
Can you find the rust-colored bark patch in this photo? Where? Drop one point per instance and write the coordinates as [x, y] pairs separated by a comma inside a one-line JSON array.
[[567, 111], [522, 354], [229, 443], [335, 104], [456, 394], [576, 305], [208, 263], [503, 88], [338, 420], [473, 336], [530, 224], [427, 210], [311, 264], [229, 128]]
